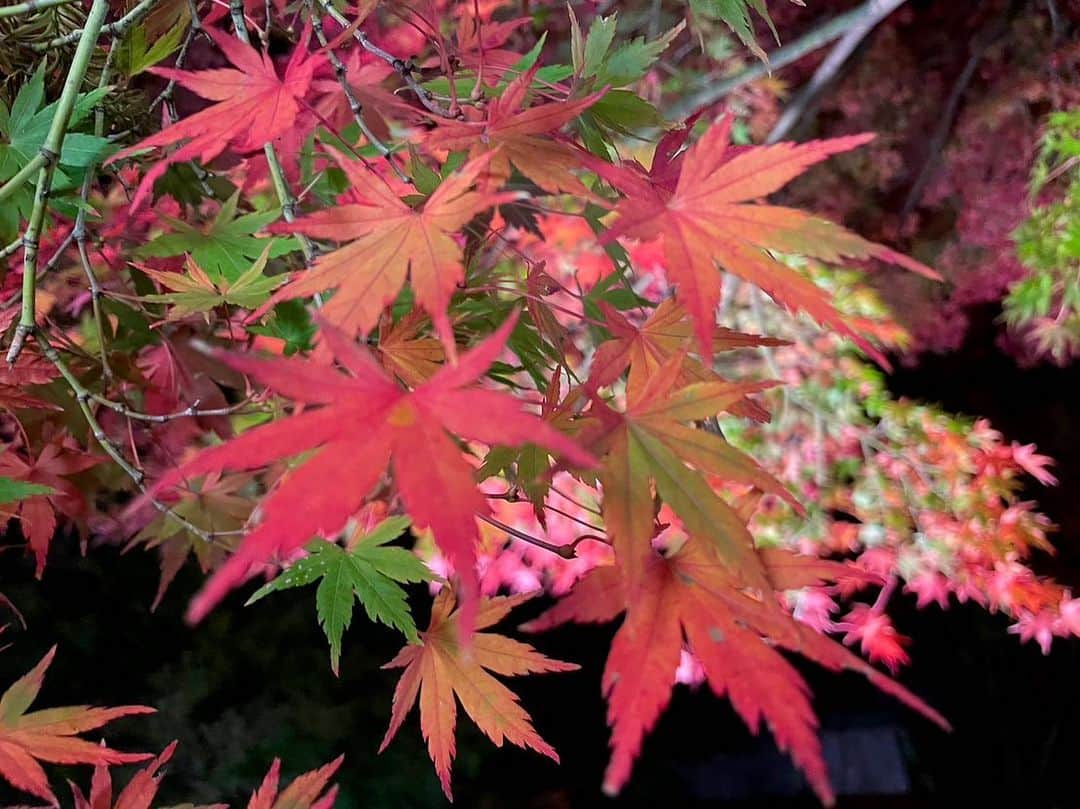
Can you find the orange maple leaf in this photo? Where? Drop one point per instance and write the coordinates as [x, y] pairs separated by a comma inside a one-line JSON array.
[[391, 240], [702, 203], [307, 791], [139, 792], [439, 669], [650, 446], [49, 735], [667, 333]]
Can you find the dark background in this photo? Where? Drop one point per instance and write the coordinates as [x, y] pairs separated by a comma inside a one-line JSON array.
[[253, 683]]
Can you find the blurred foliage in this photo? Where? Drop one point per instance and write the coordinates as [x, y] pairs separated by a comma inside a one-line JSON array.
[[1045, 304]]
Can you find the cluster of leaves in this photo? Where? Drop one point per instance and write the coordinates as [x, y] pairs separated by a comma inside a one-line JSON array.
[[1046, 302], [917, 497], [304, 320], [920, 498]]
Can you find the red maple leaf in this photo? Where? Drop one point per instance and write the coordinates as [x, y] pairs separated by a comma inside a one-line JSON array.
[[254, 107], [139, 792], [37, 514], [361, 425], [522, 136], [689, 597], [702, 203]]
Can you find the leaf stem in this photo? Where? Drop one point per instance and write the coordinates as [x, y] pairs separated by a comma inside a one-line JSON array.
[[565, 551], [48, 157]]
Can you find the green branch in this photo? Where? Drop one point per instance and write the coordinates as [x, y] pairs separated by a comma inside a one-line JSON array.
[[47, 158], [115, 29], [277, 173], [30, 7]]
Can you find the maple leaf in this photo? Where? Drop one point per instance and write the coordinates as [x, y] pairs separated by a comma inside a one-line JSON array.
[[37, 513], [307, 791], [212, 505], [361, 425], [254, 107], [225, 247], [511, 131], [701, 204], [23, 131], [391, 240], [50, 734], [651, 444], [666, 334], [197, 292], [368, 572], [29, 369], [689, 596], [439, 669], [407, 355], [139, 792], [736, 15], [12, 491]]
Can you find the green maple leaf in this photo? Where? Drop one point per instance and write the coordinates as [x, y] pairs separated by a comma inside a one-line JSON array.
[[736, 14], [136, 54], [12, 490], [369, 572], [226, 248], [196, 291], [22, 133]]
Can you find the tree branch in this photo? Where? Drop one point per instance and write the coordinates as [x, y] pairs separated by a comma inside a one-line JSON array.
[[48, 157], [808, 43], [871, 13], [30, 7], [115, 29]]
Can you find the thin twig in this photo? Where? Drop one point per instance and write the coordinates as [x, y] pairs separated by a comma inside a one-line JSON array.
[[191, 411], [342, 74], [116, 29], [565, 551], [165, 96], [30, 7], [403, 67], [11, 248], [83, 397], [18, 180], [78, 233], [277, 173], [979, 45]]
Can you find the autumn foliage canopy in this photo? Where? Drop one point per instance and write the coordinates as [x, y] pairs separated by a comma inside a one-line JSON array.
[[428, 306]]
